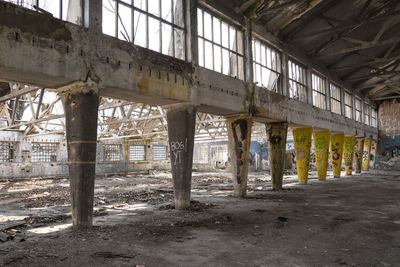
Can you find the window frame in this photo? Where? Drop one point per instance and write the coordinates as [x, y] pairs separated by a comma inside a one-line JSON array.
[[133, 156], [154, 154], [346, 93], [333, 99], [358, 111], [47, 157], [8, 151], [317, 86], [300, 82], [111, 157], [202, 40]]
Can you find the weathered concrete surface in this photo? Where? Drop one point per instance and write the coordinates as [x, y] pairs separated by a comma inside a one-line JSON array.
[[352, 221], [277, 133], [81, 109], [389, 117], [239, 136], [181, 120], [358, 154], [62, 53]]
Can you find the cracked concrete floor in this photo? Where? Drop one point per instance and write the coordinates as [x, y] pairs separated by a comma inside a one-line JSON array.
[[354, 220]]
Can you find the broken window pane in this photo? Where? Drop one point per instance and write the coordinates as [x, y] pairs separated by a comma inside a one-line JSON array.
[[109, 17], [8, 151], [166, 10], [111, 152], [140, 33], [154, 34], [154, 7], [44, 152], [167, 41], [124, 23]]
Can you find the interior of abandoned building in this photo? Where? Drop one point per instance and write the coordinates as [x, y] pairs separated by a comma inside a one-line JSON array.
[[199, 132]]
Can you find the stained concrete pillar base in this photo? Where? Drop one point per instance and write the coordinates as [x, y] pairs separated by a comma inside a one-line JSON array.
[[181, 120], [239, 135], [277, 133], [81, 108]]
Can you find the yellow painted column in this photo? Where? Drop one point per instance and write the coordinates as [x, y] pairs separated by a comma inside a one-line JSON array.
[[302, 145], [337, 153], [365, 159], [321, 145], [348, 151], [372, 154]]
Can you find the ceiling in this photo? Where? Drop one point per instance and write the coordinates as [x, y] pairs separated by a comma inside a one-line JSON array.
[[357, 40]]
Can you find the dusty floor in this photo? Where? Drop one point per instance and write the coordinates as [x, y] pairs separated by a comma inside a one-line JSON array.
[[354, 220]]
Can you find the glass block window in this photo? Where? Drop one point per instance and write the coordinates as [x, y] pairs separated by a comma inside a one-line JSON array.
[[348, 105], [220, 45], [297, 82], [200, 154], [153, 24], [267, 65], [44, 152], [319, 91], [8, 151], [159, 152], [137, 152], [374, 121], [335, 99], [111, 152], [367, 114], [357, 106]]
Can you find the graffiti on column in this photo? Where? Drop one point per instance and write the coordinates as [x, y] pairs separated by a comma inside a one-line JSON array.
[[177, 150], [348, 154]]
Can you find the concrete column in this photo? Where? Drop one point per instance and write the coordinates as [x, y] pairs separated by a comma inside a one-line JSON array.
[[181, 119], [239, 135], [277, 133], [81, 109], [321, 146], [365, 158], [337, 153], [302, 145], [358, 153], [372, 154], [348, 152]]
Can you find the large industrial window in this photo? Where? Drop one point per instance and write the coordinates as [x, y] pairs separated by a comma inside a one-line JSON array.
[[335, 99], [137, 152], [111, 152], [154, 24], [220, 45], [366, 114], [297, 82], [8, 151], [200, 154], [44, 152], [357, 107], [374, 118], [58, 8], [266, 62], [348, 105], [159, 152], [319, 91]]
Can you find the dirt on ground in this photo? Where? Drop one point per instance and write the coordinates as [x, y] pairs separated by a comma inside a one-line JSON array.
[[353, 220]]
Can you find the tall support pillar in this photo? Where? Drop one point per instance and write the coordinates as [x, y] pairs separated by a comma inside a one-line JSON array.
[[239, 135], [81, 109], [365, 158], [358, 153], [302, 145], [348, 152], [321, 145], [337, 153], [277, 133], [181, 119], [372, 154]]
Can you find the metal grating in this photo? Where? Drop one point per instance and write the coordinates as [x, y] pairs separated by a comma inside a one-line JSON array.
[[7, 151], [44, 152], [111, 152]]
